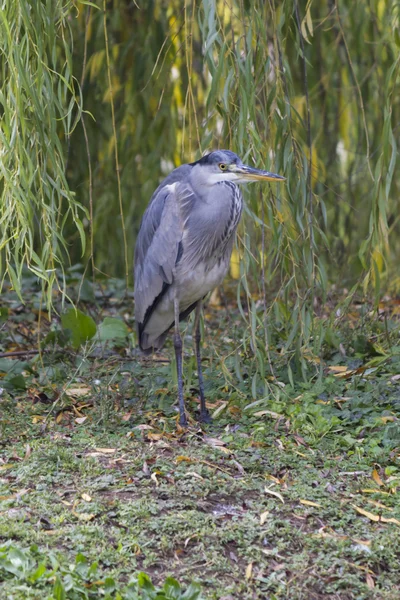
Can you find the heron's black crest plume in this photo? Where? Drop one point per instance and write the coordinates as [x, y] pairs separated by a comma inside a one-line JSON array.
[[217, 156]]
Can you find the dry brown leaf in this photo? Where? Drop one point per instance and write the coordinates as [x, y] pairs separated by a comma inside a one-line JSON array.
[[38, 419], [249, 571], [390, 520], [7, 466], [263, 517], [106, 450], [154, 436], [86, 497], [365, 513], [193, 474], [84, 516], [273, 493], [219, 410], [270, 413], [309, 503], [154, 478], [80, 420], [77, 392], [215, 442], [273, 478], [362, 542], [374, 491], [388, 419], [379, 505], [183, 459], [195, 535], [239, 467], [369, 581], [376, 478]]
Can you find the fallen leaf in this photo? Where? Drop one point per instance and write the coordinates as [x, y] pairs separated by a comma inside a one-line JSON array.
[[84, 516], [390, 520], [372, 491], [273, 493], [7, 466], [239, 467], [219, 410], [86, 497], [376, 478], [213, 441], [183, 459], [77, 392], [249, 571], [195, 535], [80, 420], [369, 581], [273, 478], [379, 505], [388, 419], [338, 369], [154, 436], [38, 419], [193, 474], [154, 478], [309, 503], [362, 542], [367, 514], [263, 517], [270, 413], [106, 450]]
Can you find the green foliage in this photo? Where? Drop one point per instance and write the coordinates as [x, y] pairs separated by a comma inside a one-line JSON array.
[[78, 326], [304, 89], [113, 330], [80, 580], [40, 107]]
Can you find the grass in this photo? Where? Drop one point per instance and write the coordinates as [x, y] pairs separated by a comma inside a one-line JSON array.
[[296, 497]]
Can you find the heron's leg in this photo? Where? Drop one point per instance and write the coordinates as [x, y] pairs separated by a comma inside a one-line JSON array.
[[204, 414], [178, 355]]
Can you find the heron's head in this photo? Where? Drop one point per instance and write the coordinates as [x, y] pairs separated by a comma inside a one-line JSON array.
[[224, 165]]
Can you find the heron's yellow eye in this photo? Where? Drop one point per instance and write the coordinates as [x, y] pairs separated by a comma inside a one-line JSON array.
[[222, 166]]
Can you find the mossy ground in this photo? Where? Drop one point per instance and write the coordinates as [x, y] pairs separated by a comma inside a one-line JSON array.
[[290, 501]]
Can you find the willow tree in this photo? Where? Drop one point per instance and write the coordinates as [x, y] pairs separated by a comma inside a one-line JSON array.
[[101, 99]]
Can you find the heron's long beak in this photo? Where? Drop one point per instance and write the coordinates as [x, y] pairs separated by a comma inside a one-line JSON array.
[[250, 174]]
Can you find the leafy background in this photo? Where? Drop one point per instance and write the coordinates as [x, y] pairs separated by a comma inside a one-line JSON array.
[[102, 103]]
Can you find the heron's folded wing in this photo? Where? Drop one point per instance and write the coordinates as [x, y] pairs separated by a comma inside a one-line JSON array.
[[157, 251]]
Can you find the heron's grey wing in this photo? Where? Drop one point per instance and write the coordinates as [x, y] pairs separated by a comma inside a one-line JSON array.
[[158, 249]]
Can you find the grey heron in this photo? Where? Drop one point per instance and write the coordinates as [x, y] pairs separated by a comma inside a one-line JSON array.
[[183, 251]]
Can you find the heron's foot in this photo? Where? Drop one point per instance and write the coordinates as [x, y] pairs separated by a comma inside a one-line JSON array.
[[183, 420], [205, 417]]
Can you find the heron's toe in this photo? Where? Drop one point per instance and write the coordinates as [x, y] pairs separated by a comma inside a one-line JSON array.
[[205, 417]]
